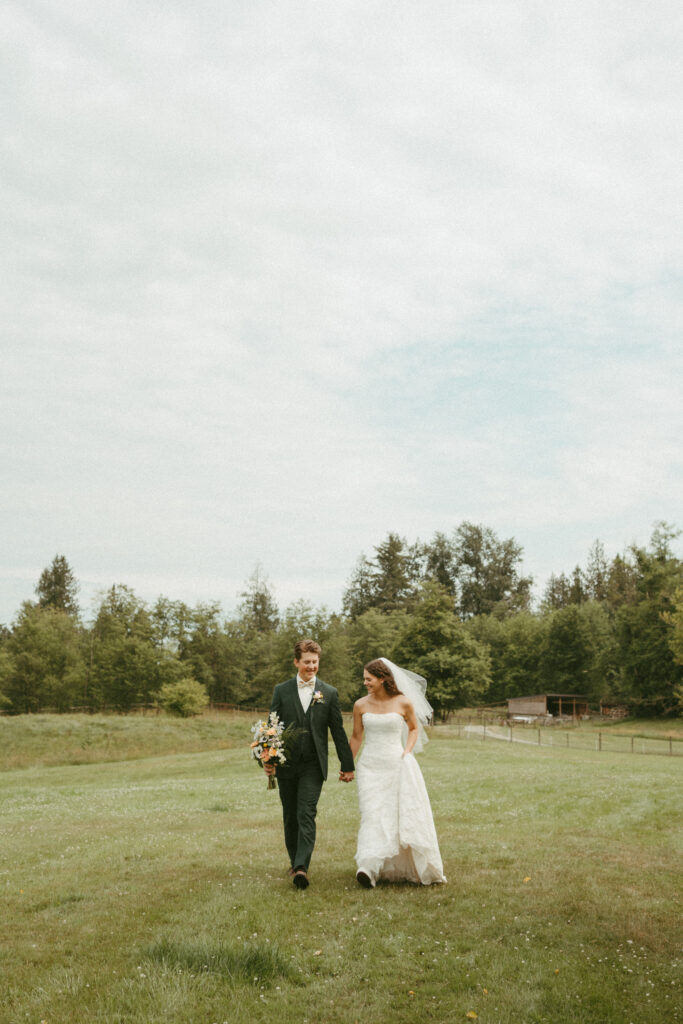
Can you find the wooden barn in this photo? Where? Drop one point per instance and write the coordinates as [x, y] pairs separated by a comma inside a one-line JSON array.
[[547, 705]]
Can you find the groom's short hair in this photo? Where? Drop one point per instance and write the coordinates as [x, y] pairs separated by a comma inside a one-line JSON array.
[[306, 647]]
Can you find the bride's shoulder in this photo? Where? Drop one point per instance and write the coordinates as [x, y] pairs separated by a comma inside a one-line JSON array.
[[360, 704]]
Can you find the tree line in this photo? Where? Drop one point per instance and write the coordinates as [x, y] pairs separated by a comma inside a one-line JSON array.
[[458, 609]]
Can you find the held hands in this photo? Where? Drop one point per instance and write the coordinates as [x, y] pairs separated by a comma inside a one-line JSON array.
[[269, 769]]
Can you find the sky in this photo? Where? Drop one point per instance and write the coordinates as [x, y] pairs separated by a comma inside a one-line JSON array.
[[279, 278]]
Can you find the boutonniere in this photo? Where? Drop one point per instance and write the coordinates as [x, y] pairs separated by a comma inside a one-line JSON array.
[[317, 697]]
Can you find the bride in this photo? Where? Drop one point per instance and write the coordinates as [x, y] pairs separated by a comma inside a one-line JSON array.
[[397, 840]]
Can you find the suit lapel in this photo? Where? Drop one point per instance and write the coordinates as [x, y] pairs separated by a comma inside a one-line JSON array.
[[294, 696], [313, 709]]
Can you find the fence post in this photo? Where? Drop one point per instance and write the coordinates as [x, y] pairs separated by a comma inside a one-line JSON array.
[[632, 742], [539, 735], [567, 735], [599, 741], [671, 748]]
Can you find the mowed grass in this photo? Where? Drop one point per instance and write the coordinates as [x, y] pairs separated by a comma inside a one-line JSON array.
[[154, 890]]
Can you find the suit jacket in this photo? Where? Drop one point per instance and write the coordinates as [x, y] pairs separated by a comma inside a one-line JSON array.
[[323, 715]]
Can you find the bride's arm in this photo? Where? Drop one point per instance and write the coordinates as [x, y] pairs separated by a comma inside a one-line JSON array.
[[357, 734], [411, 722]]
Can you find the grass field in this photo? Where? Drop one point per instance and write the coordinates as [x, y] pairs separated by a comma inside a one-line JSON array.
[[152, 888], [31, 740]]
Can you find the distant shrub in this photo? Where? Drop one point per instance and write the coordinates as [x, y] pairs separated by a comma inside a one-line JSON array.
[[184, 698]]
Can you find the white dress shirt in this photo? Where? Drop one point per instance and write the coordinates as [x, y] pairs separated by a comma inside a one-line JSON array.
[[305, 692]]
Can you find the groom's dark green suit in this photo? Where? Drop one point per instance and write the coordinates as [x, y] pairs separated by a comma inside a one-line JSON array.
[[300, 780]]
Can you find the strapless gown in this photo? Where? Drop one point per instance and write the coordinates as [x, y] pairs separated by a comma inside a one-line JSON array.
[[397, 839]]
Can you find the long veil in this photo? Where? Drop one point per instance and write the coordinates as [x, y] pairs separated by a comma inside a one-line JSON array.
[[414, 687]]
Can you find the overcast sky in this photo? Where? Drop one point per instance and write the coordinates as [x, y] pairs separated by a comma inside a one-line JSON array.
[[279, 278]]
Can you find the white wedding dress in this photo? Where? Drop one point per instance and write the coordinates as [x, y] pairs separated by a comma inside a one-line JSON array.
[[397, 839]]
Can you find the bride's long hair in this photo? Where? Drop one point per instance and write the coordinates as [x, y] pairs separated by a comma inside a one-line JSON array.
[[380, 670]]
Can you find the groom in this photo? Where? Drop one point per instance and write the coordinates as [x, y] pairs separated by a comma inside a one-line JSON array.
[[312, 707]]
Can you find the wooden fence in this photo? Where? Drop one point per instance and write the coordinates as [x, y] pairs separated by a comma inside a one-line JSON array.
[[579, 739]]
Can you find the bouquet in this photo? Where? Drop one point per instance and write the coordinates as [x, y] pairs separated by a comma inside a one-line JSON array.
[[270, 744]]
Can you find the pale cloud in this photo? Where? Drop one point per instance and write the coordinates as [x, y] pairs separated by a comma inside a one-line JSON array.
[[278, 281]]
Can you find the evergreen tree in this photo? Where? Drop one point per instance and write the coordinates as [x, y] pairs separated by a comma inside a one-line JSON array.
[[45, 666], [215, 657], [596, 575], [556, 594], [662, 536], [577, 589], [395, 573], [258, 609], [562, 590], [58, 588], [440, 562], [622, 582], [359, 595], [602, 675], [566, 656], [388, 581]]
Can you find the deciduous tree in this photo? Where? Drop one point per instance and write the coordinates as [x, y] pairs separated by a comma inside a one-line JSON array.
[[488, 573], [649, 674], [437, 645], [126, 667]]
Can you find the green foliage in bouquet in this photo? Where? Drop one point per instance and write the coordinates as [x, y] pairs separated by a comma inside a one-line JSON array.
[[272, 743]]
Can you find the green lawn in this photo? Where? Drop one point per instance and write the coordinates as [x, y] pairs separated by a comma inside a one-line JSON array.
[[31, 740], [153, 890]]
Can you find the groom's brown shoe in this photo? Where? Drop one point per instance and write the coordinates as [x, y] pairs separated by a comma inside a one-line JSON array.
[[300, 879]]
